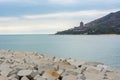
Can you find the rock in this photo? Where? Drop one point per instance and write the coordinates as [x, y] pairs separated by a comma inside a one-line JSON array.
[[36, 76], [93, 63], [92, 70], [44, 67], [92, 76], [69, 73], [51, 75], [24, 78], [75, 62], [65, 65], [54, 73], [56, 59], [34, 73], [113, 75], [5, 73], [23, 66], [13, 77], [33, 66], [19, 55], [40, 78], [102, 66], [70, 77], [3, 77], [24, 72], [60, 71], [81, 77], [5, 70]]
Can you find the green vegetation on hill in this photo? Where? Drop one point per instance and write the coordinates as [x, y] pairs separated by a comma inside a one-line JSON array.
[[109, 24]]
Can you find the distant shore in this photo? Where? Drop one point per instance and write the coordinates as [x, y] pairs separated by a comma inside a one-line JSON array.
[[87, 34], [16, 65]]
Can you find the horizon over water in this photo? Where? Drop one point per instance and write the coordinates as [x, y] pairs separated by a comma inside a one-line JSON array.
[[97, 48]]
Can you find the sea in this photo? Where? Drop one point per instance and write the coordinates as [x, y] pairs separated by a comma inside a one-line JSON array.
[[95, 48]]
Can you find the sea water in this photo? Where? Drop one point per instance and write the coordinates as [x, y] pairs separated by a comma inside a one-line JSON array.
[[97, 48]]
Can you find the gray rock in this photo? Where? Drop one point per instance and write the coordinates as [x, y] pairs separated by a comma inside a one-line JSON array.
[[60, 71], [45, 67], [94, 76], [3, 77], [81, 77], [33, 66], [93, 63], [24, 78], [24, 72], [51, 75], [5, 70], [13, 76], [14, 79], [92, 69], [69, 73], [34, 73], [75, 62], [40, 78], [113, 75], [70, 77]]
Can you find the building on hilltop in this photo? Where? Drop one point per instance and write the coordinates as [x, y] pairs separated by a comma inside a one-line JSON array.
[[81, 25]]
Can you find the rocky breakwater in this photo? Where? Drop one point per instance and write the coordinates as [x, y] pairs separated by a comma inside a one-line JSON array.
[[15, 65]]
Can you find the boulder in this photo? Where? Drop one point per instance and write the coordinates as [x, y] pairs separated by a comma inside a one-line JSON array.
[[44, 67], [3, 77], [70, 77], [93, 70], [60, 71], [65, 65], [40, 78], [13, 77], [24, 78], [5, 70], [93, 63], [24, 72], [113, 75], [94, 76], [76, 63], [69, 73], [51, 75]]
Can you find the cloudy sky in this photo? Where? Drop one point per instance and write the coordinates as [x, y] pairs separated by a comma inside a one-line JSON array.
[[49, 16]]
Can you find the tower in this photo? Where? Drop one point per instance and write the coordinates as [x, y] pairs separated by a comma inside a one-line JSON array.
[[81, 25]]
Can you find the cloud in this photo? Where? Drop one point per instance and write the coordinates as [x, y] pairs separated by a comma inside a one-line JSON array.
[[4, 19], [7, 0], [53, 1], [63, 1], [86, 13], [47, 23], [37, 26]]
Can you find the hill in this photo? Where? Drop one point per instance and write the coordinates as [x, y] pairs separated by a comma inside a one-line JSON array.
[[109, 24]]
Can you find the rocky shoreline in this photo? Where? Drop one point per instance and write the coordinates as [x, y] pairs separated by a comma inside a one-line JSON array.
[[16, 65]]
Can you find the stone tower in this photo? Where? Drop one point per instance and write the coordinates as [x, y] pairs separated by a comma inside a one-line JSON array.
[[81, 25]]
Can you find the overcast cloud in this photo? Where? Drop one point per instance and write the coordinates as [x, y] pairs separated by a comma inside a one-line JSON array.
[[49, 16]]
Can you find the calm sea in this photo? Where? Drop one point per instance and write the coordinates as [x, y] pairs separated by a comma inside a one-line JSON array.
[[100, 48]]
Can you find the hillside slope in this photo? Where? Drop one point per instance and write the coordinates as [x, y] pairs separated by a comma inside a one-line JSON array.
[[109, 24]]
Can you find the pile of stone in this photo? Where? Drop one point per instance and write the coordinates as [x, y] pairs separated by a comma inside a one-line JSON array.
[[15, 65]]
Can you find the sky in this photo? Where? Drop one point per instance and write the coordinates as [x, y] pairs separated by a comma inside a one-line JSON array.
[[50, 16]]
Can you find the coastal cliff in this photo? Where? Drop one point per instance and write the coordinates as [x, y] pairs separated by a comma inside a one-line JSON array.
[[16, 65]]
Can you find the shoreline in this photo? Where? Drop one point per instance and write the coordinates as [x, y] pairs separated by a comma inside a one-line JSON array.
[[17, 65], [57, 34]]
